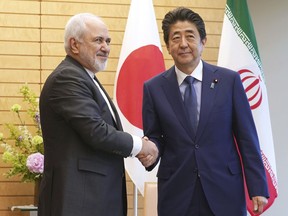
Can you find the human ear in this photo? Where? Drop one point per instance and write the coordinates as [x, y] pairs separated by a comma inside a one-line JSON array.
[[74, 45], [167, 47], [204, 40]]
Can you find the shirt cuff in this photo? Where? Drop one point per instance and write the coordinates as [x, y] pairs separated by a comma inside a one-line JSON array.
[[137, 146]]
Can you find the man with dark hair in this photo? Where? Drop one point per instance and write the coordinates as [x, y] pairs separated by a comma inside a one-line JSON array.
[[200, 119]]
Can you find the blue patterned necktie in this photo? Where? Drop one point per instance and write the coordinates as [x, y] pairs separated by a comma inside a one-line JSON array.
[[190, 102]]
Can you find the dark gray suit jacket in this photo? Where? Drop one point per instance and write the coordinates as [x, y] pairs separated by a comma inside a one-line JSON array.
[[84, 147]]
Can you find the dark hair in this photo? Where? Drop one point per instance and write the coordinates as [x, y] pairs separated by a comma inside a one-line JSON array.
[[182, 14]]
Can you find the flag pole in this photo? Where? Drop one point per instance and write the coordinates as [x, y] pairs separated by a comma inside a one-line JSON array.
[[135, 200]]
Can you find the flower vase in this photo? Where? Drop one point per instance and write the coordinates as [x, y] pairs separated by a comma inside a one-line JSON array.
[[36, 191]]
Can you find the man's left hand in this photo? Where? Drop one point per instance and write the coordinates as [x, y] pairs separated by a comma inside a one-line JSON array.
[[258, 204]]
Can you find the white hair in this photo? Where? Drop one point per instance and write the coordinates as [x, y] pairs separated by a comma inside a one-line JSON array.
[[76, 27]]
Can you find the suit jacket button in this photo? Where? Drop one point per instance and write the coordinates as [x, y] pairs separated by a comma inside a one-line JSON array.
[[196, 146]]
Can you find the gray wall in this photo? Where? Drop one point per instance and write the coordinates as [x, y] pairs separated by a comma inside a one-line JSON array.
[[270, 19]]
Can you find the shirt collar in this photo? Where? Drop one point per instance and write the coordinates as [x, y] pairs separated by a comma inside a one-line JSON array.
[[197, 73], [91, 74]]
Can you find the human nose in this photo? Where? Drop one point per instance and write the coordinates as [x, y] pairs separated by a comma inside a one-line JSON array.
[[183, 42], [105, 46]]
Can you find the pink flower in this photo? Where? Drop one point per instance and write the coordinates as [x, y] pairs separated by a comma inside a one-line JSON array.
[[35, 163]]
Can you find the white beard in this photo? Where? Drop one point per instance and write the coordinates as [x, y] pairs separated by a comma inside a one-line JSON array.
[[100, 66]]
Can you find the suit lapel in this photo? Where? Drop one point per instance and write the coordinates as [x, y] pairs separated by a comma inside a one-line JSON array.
[[118, 122], [208, 94], [100, 100], [171, 89]]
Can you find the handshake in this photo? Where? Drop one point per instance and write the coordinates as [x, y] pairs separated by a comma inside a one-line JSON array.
[[149, 152]]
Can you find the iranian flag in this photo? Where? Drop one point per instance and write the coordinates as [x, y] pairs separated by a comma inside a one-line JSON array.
[[239, 52], [140, 59]]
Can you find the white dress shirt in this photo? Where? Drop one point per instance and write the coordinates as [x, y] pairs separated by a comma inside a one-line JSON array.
[[137, 142]]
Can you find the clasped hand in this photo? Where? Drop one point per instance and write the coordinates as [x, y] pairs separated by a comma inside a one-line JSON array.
[[149, 152]]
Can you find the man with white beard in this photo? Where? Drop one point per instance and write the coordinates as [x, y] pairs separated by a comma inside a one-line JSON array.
[[84, 143]]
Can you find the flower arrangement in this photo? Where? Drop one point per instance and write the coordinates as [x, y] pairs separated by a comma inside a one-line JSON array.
[[25, 153]]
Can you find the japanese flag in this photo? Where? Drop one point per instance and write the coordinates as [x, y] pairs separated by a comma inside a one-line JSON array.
[[140, 59]]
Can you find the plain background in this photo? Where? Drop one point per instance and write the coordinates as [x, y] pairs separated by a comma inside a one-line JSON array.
[[270, 19]]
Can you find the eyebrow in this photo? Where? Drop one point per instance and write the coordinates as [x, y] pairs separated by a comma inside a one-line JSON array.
[[102, 38], [186, 31]]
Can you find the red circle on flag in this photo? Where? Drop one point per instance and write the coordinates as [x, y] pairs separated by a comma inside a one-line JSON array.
[[142, 64]]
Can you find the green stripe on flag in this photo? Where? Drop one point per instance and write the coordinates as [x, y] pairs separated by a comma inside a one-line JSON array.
[[242, 24]]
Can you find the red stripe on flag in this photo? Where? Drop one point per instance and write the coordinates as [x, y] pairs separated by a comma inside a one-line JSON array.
[[272, 186], [271, 180]]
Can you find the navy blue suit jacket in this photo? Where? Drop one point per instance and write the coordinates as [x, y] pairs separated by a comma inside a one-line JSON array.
[[225, 119]]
